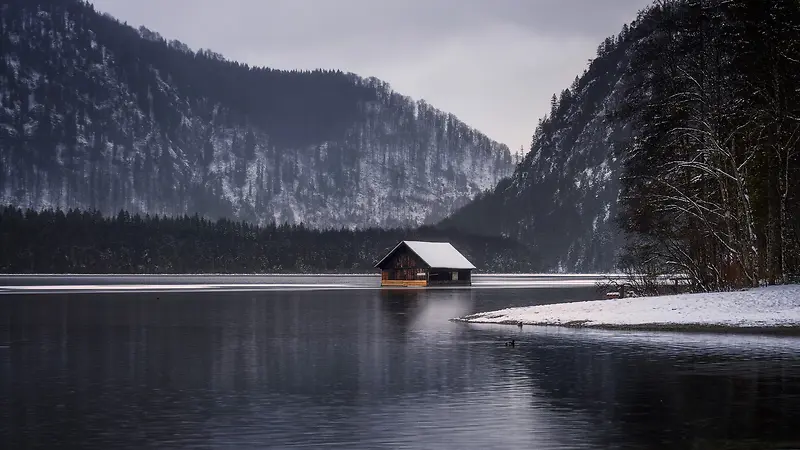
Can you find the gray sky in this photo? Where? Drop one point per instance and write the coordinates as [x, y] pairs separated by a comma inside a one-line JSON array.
[[493, 63]]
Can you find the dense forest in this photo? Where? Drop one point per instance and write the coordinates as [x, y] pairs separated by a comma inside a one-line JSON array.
[[95, 114], [54, 241], [711, 182]]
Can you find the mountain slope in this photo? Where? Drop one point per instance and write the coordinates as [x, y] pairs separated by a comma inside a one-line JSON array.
[[95, 114], [562, 197]]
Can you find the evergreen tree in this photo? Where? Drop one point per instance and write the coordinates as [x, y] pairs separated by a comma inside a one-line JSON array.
[[52, 241]]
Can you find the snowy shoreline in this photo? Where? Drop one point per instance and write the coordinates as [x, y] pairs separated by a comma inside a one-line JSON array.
[[773, 309]]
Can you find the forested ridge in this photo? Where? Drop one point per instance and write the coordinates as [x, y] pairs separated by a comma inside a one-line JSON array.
[[55, 241], [95, 114], [676, 151], [562, 197]]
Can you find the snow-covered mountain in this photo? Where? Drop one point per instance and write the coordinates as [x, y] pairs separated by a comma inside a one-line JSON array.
[[562, 197], [95, 114]]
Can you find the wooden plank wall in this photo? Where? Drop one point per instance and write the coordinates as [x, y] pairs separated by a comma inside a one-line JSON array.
[[405, 283]]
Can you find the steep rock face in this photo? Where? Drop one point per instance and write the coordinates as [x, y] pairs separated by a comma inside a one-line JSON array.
[[562, 197], [95, 114]]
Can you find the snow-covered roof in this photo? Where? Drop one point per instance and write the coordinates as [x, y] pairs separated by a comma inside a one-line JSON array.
[[439, 255]]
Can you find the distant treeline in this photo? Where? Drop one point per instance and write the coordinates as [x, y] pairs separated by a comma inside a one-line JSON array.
[[75, 241]]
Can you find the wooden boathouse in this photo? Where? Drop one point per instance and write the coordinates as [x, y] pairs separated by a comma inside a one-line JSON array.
[[419, 263]]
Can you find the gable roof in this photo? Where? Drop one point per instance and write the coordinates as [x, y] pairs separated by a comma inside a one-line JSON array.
[[437, 255]]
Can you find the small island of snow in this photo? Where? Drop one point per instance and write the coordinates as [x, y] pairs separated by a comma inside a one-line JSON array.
[[773, 307]]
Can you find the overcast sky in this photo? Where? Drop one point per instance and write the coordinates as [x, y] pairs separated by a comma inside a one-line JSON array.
[[493, 63]]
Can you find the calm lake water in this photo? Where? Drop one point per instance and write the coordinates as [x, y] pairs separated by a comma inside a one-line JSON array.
[[366, 368]]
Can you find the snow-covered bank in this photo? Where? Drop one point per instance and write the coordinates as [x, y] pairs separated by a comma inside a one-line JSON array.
[[767, 307]]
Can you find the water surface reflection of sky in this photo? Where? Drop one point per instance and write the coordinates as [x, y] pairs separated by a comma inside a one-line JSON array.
[[374, 369]]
